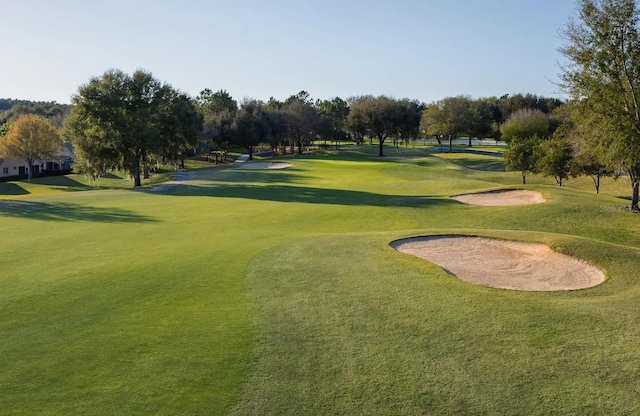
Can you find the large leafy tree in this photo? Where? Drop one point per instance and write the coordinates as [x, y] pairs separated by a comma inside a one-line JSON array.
[[119, 120], [334, 112], [30, 138], [525, 123], [556, 158], [448, 118], [219, 111], [250, 126], [302, 120], [381, 117], [603, 76], [523, 155]]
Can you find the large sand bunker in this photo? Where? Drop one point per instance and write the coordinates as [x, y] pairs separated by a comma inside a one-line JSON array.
[[503, 264], [264, 165], [501, 198]]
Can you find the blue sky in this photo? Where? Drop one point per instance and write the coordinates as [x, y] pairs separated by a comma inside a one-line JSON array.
[[424, 50]]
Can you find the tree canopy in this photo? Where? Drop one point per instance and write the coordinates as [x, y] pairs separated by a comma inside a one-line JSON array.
[[120, 120], [383, 117], [603, 77], [526, 123], [30, 138]]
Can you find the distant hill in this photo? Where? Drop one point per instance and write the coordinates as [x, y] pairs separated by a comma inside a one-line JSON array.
[[10, 109]]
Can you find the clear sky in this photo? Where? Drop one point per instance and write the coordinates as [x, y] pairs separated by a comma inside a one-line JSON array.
[[419, 49]]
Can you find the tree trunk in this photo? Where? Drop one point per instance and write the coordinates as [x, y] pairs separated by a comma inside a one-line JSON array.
[[450, 142], [146, 170], [469, 141], [300, 146], [250, 149], [524, 179], [136, 174], [381, 141], [596, 181], [634, 197], [30, 171]]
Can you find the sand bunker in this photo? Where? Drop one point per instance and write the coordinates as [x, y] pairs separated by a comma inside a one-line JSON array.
[[501, 198], [503, 264], [264, 165]]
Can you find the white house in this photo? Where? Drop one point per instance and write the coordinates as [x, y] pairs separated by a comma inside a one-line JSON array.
[[19, 169]]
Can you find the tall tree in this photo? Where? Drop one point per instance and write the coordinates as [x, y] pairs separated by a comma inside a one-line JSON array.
[[334, 112], [219, 111], [30, 138], [522, 155], [556, 158], [526, 123], [382, 117], [603, 76], [302, 119], [250, 126], [448, 118], [124, 118]]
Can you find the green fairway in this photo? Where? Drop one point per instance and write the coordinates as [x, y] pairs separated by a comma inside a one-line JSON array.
[[276, 292]]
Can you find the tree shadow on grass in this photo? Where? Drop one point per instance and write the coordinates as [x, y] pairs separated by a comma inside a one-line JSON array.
[[65, 182], [9, 188], [308, 195], [68, 212]]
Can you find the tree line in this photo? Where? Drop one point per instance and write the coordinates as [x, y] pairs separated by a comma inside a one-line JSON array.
[[597, 132], [131, 121]]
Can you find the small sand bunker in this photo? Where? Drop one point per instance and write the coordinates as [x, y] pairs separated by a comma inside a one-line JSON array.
[[501, 198], [264, 165], [503, 264]]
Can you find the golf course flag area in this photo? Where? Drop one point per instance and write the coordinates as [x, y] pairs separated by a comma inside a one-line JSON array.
[[273, 287]]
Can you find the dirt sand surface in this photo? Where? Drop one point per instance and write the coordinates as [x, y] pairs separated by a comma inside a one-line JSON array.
[[264, 165], [501, 198], [503, 264]]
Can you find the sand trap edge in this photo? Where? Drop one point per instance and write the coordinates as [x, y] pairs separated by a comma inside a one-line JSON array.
[[493, 198], [577, 274]]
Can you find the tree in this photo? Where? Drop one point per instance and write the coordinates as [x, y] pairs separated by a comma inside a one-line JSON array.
[[212, 103], [522, 155], [526, 123], [218, 110], [381, 117], [448, 118], [250, 126], [482, 124], [555, 158], [603, 77], [179, 123], [119, 120], [334, 112], [30, 138], [302, 119]]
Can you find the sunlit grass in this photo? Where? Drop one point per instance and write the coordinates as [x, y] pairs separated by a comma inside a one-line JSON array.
[[275, 292]]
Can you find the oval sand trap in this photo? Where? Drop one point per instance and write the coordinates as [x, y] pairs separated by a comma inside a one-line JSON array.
[[264, 165], [503, 264], [501, 198]]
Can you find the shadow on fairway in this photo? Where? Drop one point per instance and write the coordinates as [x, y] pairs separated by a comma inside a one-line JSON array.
[[63, 181], [309, 195], [68, 212], [484, 165], [12, 189]]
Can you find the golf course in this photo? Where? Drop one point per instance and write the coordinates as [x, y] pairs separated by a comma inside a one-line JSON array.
[[250, 290]]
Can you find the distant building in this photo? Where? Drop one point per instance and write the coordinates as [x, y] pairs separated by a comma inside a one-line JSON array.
[[19, 169]]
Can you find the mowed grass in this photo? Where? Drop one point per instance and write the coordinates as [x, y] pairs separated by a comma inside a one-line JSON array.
[[276, 292]]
